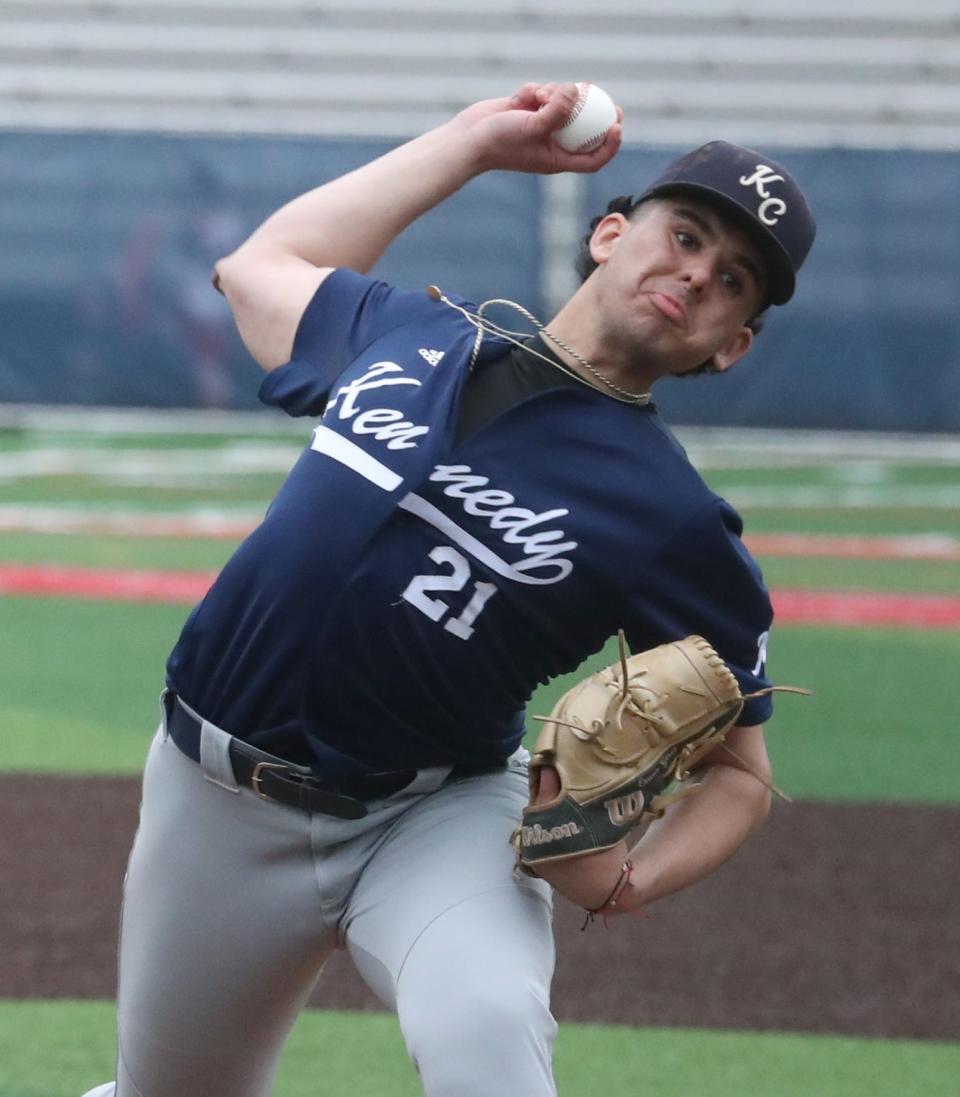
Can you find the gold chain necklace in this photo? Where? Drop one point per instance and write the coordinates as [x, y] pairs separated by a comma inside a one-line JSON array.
[[627, 397], [638, 399]]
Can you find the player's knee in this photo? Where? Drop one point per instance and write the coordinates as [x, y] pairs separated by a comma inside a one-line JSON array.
[[466, 1040]]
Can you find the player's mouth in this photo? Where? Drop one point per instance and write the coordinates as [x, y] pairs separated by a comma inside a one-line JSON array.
[[669, 307]]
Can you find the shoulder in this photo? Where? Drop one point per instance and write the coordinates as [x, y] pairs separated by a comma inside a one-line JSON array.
[[350, 310], [656, 468]]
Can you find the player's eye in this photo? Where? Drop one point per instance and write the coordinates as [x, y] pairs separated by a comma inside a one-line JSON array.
[[731, 281], [686, 240]]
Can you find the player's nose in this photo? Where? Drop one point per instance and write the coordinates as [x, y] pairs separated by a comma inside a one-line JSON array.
[[697, 272]]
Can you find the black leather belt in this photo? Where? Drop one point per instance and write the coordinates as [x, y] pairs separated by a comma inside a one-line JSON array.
[[274, 779]]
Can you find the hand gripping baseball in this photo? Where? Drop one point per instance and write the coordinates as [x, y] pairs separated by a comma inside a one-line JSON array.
[[517, 134], [618, 739]]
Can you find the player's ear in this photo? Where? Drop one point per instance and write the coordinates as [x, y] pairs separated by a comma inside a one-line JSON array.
[[606, 236], [738, 346]]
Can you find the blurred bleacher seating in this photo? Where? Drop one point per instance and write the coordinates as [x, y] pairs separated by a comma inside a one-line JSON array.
[[791, 72], [141, 139]]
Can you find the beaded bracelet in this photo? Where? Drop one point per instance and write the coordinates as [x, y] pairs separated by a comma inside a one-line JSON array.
[[611, 900]]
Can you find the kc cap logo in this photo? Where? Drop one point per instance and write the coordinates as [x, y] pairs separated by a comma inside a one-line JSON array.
[[771, 209], [758, 195]]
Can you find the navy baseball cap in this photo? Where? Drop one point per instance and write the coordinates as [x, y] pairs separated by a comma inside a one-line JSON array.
[[758, 194]]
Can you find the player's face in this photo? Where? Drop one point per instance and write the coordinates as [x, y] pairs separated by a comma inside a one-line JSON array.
[[677, 285]]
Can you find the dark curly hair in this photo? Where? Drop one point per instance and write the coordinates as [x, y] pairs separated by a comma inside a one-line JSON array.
[[585, 264]]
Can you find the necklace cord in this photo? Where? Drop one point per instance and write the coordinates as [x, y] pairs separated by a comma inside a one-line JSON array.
[[484, 324]]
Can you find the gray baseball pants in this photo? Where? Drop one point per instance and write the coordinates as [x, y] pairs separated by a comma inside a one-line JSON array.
[[232, 904]]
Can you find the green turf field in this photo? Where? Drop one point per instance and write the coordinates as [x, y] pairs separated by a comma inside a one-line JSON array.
[[57, 1049], [79, 681], [90, 707]]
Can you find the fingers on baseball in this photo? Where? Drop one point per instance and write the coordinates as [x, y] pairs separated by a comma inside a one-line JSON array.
[[592, 161], [557, 103], [552, 102], [526, 97]]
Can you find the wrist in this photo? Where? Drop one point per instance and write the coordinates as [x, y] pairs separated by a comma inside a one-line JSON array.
[[476, 154], [615, 900], [612, 904], [634, 896]]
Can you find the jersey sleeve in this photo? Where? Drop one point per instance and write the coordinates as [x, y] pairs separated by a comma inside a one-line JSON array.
[[346, 314], [705, 582]]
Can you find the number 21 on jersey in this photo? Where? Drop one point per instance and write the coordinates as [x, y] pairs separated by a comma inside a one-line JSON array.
[[419, 589]]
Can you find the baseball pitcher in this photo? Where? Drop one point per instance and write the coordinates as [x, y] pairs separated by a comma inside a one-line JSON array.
[[339, 762]]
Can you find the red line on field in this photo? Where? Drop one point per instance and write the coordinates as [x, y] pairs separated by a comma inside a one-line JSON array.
[[866, 609], [877, 609], [113, 584]]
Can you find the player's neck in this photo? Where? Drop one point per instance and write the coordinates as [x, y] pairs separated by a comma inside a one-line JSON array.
[[580, 345]]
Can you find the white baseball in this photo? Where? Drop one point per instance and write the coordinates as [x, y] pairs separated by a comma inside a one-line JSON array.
[[590, 119]]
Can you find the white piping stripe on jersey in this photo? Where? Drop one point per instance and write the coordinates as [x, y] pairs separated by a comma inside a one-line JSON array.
[[341, 449], [419, 506]]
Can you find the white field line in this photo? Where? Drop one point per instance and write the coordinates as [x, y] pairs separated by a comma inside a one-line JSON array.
[[855, 486], [862, 479], [136, 421], [149, 466], [938, 497], [199, 522], [756, 448], [713, 443], [235, 458], [921, 546], [237, 523]]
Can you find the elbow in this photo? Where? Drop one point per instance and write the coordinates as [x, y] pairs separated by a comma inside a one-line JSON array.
[[236, 277], [224, 275], [748, 760], [762, 807], [752, 790], [216, 277]]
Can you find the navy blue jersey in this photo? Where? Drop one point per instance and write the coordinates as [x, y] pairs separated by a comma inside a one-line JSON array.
[[406, 593]]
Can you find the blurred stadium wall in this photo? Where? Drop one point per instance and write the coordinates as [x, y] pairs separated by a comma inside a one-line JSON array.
[[141, 139]]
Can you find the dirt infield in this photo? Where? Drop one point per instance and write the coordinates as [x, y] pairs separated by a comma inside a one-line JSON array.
[[836, 918]]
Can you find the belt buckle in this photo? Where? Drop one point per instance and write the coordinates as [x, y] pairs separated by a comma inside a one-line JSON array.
[[256, 778]]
